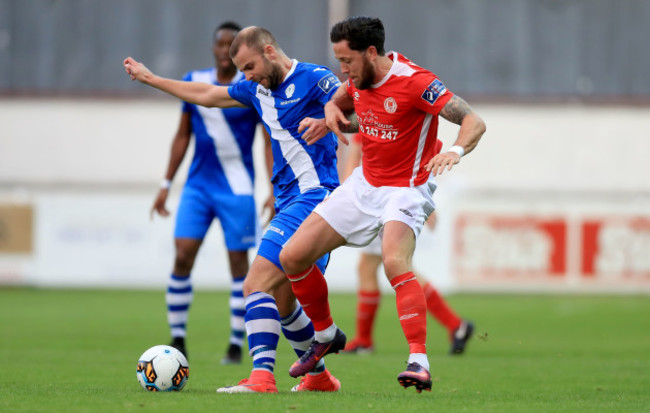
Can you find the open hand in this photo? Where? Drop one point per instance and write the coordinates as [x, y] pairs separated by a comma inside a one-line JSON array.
[[442, 161]]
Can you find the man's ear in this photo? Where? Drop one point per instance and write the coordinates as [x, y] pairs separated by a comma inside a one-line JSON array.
[[269, 52], [371, 53]]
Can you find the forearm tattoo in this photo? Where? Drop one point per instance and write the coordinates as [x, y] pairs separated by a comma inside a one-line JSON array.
[[455, 110], [353, 127]]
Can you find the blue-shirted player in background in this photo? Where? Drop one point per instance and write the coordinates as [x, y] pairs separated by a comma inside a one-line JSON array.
[[219, 185], [284, 92]]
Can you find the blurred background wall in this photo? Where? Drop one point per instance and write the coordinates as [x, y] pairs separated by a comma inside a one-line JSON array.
[[555, 198]]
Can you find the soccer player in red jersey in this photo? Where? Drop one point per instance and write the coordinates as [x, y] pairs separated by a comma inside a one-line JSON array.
[[397, 105], [369, 296]]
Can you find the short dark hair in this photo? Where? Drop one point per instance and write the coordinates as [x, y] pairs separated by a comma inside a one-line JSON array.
[[361, 32], [254, 38], [227, 25]]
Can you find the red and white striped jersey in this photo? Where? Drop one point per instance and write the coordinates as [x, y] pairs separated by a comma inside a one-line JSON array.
[[398, 123]]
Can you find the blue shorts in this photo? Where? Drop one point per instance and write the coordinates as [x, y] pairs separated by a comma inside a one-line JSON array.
[[285, 223], [237, 214]]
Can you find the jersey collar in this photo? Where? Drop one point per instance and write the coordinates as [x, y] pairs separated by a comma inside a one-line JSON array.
[[390, 72], [290, 72]]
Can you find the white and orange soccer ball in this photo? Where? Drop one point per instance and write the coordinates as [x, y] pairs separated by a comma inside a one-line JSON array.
[[163, 368]]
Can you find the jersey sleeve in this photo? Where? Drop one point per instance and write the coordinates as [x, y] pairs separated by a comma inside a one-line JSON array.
[[430, 94], [186, 107], [241, 92], [326, 84]]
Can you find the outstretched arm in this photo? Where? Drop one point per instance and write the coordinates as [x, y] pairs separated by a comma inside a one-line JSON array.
[[203, 94], [471, 129]]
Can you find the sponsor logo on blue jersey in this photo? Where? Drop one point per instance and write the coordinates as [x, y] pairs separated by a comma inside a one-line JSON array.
[[328, 82], [434, 91]]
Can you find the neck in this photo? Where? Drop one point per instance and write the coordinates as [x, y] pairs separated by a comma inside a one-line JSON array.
[[382, 67], [285, 65]]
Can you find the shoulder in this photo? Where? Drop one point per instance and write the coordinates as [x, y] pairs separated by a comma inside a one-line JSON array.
[[420, 80], [321, 78], [244, 85]]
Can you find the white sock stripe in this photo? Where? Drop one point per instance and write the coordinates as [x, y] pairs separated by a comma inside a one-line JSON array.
[[266, 305], [251, 298], [177, 317], [266, 354], [326, 335], [178, 299], [174, 283], [237, 323], [298, 324], [178, 332], [305, 274], [303, 345], [236, 341], [370, 300], [404, 282], [237, 302], [263, 325], [254, 348]]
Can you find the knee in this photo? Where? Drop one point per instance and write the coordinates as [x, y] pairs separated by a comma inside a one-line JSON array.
[[265, 283], [184, 262], [238, 263], [290, 260], [250, 285], [395, 265]]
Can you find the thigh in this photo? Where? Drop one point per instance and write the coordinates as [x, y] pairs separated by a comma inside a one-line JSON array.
[[263, 276], [286, 222], [313, 240], [348, 211], [407, 205], [398, 245], [194, 214], [368, 269]]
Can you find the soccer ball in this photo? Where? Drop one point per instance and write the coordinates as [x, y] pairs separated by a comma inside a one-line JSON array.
[[163, 368]]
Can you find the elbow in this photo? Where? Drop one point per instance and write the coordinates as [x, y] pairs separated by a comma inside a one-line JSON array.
[[479, 125], [473, 124]]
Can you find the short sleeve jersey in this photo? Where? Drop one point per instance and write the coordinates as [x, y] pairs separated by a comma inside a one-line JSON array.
[[304, 92], [223, 154], [398, 123]]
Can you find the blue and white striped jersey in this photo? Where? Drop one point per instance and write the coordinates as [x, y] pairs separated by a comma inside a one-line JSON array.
[[303, 93], [223, 154]]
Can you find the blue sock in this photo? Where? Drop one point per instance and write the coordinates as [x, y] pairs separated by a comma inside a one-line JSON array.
[[299, 330], [237, 311], [178, 298], [263, 330]]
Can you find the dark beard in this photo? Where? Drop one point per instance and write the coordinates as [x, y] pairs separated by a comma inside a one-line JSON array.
[[367, 75], [275, 78]]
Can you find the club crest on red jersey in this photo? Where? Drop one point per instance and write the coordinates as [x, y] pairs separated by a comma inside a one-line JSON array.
[[434, 91], [390, 105]]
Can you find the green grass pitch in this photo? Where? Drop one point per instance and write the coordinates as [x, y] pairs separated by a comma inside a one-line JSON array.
[[76, 351]]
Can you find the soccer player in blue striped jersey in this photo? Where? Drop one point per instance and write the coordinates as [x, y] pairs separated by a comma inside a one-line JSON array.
[[219, 185], [284, 92]]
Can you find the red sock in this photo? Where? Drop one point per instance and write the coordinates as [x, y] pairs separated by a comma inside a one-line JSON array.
[[367, 305], [412, 311], [310, 288], [440, 309]]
